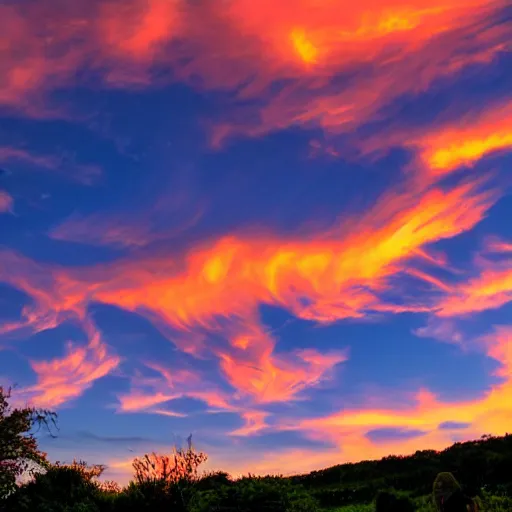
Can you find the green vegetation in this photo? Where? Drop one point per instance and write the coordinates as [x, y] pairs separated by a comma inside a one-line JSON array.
[[173, 483]]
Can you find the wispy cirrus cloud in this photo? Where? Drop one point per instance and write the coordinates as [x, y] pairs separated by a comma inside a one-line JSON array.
[[217, 290], [468, 140], [491, 288], [63, 379], [427, 417], [379, 48], [440, 329], [65, 165], [272, 67]]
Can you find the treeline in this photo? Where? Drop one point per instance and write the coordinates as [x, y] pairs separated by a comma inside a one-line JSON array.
[[482, 464]]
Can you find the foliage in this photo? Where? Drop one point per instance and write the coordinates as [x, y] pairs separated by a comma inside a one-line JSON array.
[[389, 501], [180, 465], [62, 488], [347, 484], [494, 503], [255, 494], [361, 507], [18, 446]]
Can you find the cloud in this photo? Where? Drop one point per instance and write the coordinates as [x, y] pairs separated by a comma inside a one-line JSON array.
[[103, 230], [254, 423], [326, 278], [491, 289], [496, 245], [64, 165], [169, 215], [440, 329], [453, 425], [467, 140], [380, 50], [273, 67], [149, 393], [492, 412], [207, 301], [61, 380], [452, 142], [256, 376], [255, 371], [358, 60], [6, 202]]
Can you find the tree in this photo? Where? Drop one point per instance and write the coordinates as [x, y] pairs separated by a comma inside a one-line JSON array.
[[18, 445], [62, 488]]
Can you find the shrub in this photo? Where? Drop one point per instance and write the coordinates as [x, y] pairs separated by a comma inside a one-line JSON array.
[[254, 494], [389, 501]]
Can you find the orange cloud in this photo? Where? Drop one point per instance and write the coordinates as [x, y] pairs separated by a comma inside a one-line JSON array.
[[63, 379], [325, 278], [376, 46], [6, 202], [170, 384], [468, 140], [135, 29], [214, 292], [255, 373], [491, 290], [495, 245], [254, 370], [492, 412], [254, 423], [245, 47], [428, 418]]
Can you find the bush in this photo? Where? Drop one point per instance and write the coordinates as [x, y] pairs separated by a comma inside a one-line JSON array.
[[389, 501], [253, 494], [494, 503]]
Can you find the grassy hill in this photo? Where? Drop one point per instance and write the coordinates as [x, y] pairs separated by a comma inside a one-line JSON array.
[[482, 464]]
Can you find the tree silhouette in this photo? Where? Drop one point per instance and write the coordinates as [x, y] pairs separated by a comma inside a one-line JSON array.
[[18, 446]]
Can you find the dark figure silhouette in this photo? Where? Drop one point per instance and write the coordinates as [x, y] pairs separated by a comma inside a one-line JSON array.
[[448, 495]]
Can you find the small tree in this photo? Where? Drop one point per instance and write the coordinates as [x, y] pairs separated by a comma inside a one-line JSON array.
[[89, 473], [62, 488], [18, 446], [179, 465]]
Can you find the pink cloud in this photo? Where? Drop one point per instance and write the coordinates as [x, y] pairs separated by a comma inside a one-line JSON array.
[[65, 166], [61, 380], [6, 202]]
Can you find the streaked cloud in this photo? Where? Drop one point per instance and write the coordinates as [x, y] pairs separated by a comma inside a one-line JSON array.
[[61, 380], [468, 140], [64, 164], [490, 289], [440, 329], [377, 45], [393, 244], [492, 412]]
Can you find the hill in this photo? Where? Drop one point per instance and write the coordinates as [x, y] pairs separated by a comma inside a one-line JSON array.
[[484, 463]]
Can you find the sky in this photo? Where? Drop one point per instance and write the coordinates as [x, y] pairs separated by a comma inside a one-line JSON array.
[[282, 227]]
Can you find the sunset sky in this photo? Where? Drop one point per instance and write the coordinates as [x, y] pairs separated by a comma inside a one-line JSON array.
[[282, 226]]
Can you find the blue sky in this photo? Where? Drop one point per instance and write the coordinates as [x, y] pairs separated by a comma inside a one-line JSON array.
[[283, 229]]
